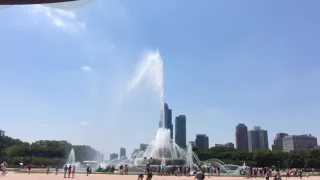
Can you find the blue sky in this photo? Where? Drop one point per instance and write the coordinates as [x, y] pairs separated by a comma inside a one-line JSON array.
[[63, 74]]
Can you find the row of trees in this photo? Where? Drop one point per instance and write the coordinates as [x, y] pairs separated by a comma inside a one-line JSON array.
[[43, 152], [296, 159]]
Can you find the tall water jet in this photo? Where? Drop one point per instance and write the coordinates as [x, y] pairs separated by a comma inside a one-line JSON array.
[[71, 158], [162, 150], [150, 70]]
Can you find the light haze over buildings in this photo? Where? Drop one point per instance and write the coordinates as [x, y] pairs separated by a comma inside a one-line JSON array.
[[258, 139]]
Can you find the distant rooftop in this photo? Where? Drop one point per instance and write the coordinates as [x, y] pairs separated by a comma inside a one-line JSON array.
[[241, 125], [300, 136], [201, 135]]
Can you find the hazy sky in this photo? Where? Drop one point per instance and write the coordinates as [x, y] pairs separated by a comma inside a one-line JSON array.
[[64, 74]]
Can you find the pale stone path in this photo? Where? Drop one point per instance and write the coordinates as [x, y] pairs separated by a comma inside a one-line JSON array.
[[41, 176]]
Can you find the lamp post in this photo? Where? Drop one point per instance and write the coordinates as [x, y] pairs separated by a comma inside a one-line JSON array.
[[279, 165]]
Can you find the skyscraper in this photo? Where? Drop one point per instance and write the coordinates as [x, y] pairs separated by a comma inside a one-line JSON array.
[[143, 147], [258, 139], [122, 152], [202, 142], [167, 119], [181, 131], [278, 142], [113, 156], [242, 138]]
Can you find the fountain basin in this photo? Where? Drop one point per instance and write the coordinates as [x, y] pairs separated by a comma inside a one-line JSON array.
[[157, 161]]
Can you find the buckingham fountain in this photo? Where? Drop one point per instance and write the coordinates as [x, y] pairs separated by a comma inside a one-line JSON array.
[[162, 151], [165, 152]]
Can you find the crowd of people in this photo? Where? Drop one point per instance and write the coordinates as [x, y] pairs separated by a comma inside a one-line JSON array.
[[163, 170], [254, 172]]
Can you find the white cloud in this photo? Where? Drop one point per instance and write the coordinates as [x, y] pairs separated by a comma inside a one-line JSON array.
[[60, 18], [86, 68], [84, 123]]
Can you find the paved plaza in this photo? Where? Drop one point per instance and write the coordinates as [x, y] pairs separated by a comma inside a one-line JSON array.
[[42, 176]]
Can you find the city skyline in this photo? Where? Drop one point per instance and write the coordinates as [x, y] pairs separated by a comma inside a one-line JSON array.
[[223, 64], [246, 140]]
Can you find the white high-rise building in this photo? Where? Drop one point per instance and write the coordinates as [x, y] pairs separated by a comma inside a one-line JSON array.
[[299, 142]]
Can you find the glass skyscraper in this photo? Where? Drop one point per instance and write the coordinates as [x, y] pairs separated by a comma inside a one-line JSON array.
[[181, 131]]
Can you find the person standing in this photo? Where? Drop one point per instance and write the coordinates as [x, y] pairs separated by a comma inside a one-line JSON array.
[[88, 170], [29, 166], [121, 169], [300, 173], [208, 171], [69, 171], [57, 169], [126, 169], [65, 169], [73, 171]]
